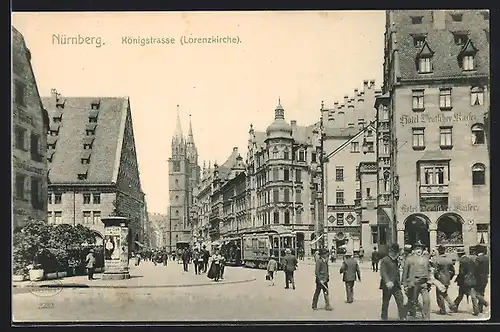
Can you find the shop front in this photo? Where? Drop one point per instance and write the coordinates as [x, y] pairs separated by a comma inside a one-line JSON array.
[[344, 239]]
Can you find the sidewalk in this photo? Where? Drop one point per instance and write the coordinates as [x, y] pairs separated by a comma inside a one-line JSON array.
[[338, 263], [146, 275]]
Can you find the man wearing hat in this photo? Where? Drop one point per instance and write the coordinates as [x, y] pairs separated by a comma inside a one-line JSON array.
[[349, 271], [290, 265], [390, 282], [322, 278], [444, 271], [466, 281], [416, 278], [90, 261], [482, 274]]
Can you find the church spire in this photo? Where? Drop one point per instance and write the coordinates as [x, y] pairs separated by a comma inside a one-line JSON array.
[[178, 128], [190, 138]]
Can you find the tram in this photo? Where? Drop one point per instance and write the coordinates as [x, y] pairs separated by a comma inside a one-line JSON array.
[[260, 245], [231, 250]]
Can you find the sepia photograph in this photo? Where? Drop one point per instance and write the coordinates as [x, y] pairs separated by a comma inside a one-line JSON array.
[[257, 166]]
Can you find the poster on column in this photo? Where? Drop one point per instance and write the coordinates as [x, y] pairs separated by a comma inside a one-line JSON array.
[[124, 245], [112, 243]]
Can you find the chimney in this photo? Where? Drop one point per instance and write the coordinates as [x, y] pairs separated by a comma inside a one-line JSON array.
[[336, 104], [372, 83], [355, 92], [365, 84], [346, 98], [439, 19]]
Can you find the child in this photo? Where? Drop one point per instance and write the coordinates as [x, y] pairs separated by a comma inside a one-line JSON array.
[[272, 266]]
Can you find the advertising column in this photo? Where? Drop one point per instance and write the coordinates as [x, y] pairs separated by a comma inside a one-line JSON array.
[[115, 248]]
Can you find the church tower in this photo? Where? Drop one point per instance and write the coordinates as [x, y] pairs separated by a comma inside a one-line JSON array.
[[184, 174]]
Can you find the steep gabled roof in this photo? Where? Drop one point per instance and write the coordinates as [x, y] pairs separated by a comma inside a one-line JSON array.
[[348, 142], [106, 146]]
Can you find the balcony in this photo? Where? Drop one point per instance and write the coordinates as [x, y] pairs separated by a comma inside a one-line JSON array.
[[434, 190]]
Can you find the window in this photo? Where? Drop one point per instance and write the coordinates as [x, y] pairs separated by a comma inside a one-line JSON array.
[[57, 198], [302, 155], [96, 216], [418, 41], [177, 165], [287, 217], [275, 153], [298, 175], [287, 174], [476, 96], [35, 147], [355, 147], [482, 233], [85, 161], [457, 17], [369, 133], [361, 122], [298, 196], [370, 147], [460, 38], [86, 198], [478, 134], [478, 175], [87, 217], [276, 216], [97, 198], [339, 173], [468, 62], [385, 113], [340, 219], [36, 194], [49, 198], [424, 65], [58, 217], [177, 213], [313, 157], [275, 174], [385, 147], [287, 195], [358, 175], [276, 195], [368, 193], [434, 175], [20, 183], [418, 138], [445, 137], [19, 95], [298, 217], [374, 234], [286, 154], [445, 99], [20, 133], [88, 143], [358, 194], [418, 99], [339, 197], [416, 19]]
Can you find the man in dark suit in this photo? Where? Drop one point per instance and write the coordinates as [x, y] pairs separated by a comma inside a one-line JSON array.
[[375, 259], [444, 271], [350, 269], [322, 278], [466, 280], [290, 265], [390, 282], [482, 275]]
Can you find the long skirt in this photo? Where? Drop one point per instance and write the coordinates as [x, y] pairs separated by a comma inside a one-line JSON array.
[[214, 271]]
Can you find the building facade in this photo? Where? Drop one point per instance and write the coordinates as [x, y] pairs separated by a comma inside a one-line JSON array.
[[93, 169], [203, 207], [281, 167], [29, 139], [184, 175], [349, 145], [160, 225], [436, 92]]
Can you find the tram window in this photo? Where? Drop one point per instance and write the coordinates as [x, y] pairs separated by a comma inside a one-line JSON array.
[[275, 242], [262, 244], [254, 243]]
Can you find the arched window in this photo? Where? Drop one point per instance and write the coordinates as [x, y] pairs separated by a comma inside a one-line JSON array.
[[477, 134], [275, 153], [286, 154], [478, 175], [287, 217]]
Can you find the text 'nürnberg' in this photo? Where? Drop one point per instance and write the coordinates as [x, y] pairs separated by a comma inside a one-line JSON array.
[[62, 39], [183, 40]]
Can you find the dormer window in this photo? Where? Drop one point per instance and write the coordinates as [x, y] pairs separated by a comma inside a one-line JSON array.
[[457, 17], [54, 129], [90, 129], [419, 40], [416, 19], [424, 59], [57, 118], [93, 116], [95, 104], [83, 172], [467, 56], [88, 143], [50, 156], [51, 142], [60, 103], [460, 38], [85, 158]]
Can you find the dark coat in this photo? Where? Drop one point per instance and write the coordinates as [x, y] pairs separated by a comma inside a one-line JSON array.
[[466, 272], [482, 269], [350, 269], [375, 256], [290, 263], [444, 271], [321, 272], [389, 271]]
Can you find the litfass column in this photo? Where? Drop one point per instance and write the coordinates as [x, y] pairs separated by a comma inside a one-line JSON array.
[[115, 248]]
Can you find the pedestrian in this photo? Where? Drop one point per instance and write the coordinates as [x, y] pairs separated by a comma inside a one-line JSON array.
[[197, 266], [322, 278], [390, 282], [90, 261], [466, 281], [222, 266], [417, 280], [289, 265], [214, 272], [165, 257], [350, 270], [333, 254], [482, 275], [376, 258], [444, 271], [361, 254], [272, 267], [205, 257], [185, 260]]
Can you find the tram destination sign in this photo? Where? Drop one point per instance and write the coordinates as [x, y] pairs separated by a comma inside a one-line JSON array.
[[406, 208]]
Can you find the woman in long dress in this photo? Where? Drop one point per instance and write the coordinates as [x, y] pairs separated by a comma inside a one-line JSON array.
[[214, 271]]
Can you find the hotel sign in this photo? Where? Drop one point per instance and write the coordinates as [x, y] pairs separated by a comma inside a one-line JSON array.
[[439, 208], [426, 118]]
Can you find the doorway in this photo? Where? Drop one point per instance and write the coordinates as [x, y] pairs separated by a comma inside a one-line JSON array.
[[417, 229]]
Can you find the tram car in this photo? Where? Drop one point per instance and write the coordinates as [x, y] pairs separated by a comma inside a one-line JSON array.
[[260, 245], [231, 250]]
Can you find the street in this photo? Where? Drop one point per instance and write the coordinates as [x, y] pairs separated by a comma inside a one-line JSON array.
[[253, 300]]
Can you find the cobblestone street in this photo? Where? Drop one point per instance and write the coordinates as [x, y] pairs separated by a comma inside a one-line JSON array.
[[209, 301]]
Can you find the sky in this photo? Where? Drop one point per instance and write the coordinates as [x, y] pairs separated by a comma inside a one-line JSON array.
[[301, 58]]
